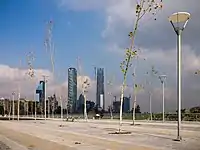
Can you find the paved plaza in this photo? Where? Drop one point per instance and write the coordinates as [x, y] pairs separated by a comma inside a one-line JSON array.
[[95, 135]]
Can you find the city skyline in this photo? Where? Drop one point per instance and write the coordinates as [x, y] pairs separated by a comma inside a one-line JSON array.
[[103, 32]]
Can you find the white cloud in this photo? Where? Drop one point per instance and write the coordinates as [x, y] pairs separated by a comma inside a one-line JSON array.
[[165, 62], [119, 17], [12, 78]]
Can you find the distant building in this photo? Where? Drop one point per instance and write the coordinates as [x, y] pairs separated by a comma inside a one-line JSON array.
[[80, 103], [72, 89], [53, 103], [126, 104], [40, 90], [100, 96], [116, 106]]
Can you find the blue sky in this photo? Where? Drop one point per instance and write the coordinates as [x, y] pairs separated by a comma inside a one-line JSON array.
[[22, 29], [78, 28]]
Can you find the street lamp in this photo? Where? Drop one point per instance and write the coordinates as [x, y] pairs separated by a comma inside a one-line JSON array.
[[162, 80], [61, 106], [13, 109], [179, 21], [45, 96], [110, 95]]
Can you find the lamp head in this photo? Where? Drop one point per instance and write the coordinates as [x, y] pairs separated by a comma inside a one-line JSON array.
[[162, 78], [179, 20]]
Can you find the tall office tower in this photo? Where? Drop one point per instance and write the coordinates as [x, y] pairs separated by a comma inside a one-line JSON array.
[[72, 89], [126, 104], [100, 96], [40, 90]]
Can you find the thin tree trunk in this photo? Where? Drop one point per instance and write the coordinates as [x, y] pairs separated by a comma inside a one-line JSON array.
[[121, 105], [85, 108], [134, 106], [9, 109]]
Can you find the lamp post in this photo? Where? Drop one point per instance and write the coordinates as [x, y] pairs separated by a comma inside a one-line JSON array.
[[162, 80], [148, 83], [179, 21], [61, 106], [45, 96], [150, 107], [13, 106], [18, 105], [110, 95]]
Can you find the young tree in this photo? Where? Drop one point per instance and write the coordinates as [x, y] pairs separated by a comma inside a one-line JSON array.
[[31, 74], [137, 88], [85, 86], [143, 7], [110, 94], [148, 85], [50, 49]]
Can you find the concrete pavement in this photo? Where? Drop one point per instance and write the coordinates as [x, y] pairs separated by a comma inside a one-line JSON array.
[[96, 135]]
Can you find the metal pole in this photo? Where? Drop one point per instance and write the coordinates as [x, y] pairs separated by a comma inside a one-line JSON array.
[[163, 87], [150, 106], [111, 114], [18, 106], [179, 82], [61, 109], [27, 108], [45, 107], [9, 107], [13, 106], [134, 106], [35, 106]]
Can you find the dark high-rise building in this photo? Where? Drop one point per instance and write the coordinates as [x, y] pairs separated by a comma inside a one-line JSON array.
[[80, 103], [126, 104], [72, 89], [116, 106], [40, 90], [100, 96]]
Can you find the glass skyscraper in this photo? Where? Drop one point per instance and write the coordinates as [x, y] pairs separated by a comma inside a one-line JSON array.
[[126, 104], [100, 96], [72, 89]]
